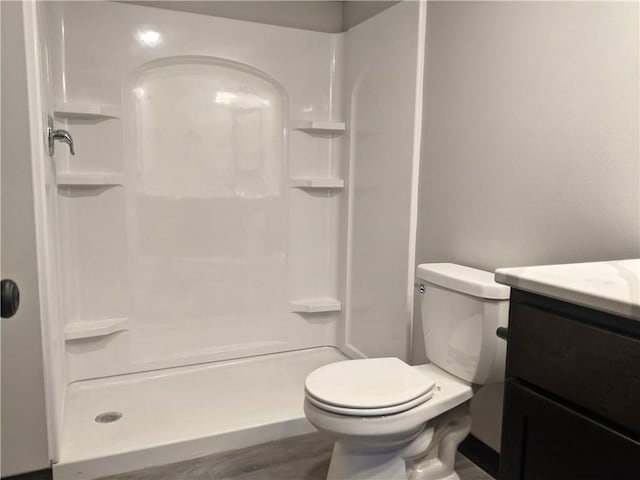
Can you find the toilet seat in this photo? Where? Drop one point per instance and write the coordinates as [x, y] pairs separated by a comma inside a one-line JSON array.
[[370, 412], [368, 387]]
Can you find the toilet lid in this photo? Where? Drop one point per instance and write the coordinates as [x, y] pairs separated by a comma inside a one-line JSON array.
[[372, 383]]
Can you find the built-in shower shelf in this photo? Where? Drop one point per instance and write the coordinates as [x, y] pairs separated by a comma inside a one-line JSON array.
[[317, 182], [315, 305], [88, 111], [320, 126], [96, 328], [89, 179]]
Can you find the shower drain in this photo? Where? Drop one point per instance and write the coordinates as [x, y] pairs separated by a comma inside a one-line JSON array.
[[108, 417]]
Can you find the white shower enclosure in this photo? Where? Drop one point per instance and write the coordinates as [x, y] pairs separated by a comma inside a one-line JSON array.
[[240, 210]]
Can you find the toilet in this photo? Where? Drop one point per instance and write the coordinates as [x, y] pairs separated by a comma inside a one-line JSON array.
[[390, 420]]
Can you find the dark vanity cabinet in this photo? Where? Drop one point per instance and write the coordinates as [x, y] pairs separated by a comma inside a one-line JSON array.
[[572, 393]]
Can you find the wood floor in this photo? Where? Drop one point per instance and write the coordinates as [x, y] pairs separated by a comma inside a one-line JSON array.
[[299, 458]]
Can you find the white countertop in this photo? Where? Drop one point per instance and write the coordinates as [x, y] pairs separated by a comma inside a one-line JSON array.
[[612, 286]]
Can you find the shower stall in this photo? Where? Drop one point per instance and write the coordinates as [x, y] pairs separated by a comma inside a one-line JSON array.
[[239, 209]]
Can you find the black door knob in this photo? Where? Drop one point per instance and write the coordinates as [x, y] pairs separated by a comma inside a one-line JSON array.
[[503, 333], [10, 298]]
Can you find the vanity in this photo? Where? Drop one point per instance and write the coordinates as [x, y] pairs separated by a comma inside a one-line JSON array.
[[572, 389]]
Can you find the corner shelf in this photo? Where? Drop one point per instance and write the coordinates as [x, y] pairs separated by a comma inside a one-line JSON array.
[[87, 111], [315, 305], [89, 179], [97, 328], [317, 182], [319, 126]]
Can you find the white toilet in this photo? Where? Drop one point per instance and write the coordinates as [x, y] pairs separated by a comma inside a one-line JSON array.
[[393, 421]]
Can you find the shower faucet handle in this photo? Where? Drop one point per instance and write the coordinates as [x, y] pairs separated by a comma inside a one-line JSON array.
[[64, 137], [59, 135]]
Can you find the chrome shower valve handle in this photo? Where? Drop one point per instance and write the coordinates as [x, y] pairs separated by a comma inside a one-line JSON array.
[[59, 135]]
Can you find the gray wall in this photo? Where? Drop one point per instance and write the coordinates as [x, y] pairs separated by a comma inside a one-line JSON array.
[[24, 435], [321, 16], [530, 142], [355, 12]]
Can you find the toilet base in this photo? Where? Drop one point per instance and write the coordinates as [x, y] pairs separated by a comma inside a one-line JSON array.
[[429, 456], [350, 465]]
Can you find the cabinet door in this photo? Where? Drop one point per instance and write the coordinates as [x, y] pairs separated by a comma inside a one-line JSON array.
[[588, 366], [544, 440]]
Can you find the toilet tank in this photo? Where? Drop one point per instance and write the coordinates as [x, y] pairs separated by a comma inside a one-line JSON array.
[[462, 308]]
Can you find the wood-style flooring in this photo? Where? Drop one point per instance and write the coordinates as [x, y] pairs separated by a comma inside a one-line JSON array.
[[299, 458]]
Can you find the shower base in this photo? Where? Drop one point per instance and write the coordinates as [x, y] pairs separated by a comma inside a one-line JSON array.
[[118, 424]]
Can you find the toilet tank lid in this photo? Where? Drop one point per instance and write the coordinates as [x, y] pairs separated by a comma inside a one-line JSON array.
[[463, 279]]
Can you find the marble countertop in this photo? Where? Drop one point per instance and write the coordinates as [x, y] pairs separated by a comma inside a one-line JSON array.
[[612, 286]]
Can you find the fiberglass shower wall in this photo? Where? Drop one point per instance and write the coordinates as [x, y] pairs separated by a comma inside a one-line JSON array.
[[383, 84], [181, 237], [234, 184]]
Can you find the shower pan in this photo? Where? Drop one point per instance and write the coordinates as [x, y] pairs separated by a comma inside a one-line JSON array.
[[239, 211]]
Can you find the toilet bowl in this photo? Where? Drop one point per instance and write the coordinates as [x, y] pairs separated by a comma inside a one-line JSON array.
[[393, 421]]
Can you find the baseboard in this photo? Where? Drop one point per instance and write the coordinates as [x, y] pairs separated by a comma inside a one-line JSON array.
[[45, 474], [481, 454]]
